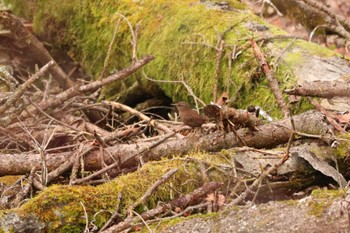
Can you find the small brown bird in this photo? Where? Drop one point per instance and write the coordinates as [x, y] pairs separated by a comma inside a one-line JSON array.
[[189, 116]]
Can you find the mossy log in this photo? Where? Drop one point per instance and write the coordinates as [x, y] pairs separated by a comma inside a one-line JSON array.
[[183, 36]]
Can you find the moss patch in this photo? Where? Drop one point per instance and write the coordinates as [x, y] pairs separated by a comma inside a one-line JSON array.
[[322, 199]]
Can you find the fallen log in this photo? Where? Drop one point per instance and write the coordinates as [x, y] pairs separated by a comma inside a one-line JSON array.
[[128, 155]]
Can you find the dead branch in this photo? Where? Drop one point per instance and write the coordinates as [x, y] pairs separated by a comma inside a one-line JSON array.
[[141, 116], [114, 215], [273, 83], [109, 52], [186, 200], [151, 190], [323, 89], [20, 91], [77, 90], [328, 115], [258, 181], [118, 163], [326, 10], [25, 191], [219, 57], [267, 136]]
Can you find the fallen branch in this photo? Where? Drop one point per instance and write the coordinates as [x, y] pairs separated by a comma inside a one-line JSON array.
[[118, 163], [267, 136], [323, 89], [141, 116], [183, 201], [273, 83], [77, 90], [151, 190], [25, 191], [328, 115], [114, 215], [20, 91], [322, 7]]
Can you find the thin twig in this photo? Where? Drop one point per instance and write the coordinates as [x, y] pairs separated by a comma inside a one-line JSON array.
[[116, 164], [26, 189], [86, 230], [21, 90], [327, 114], [141, 116], [109, 52], [114, 215], [152, 189], [273, 83]]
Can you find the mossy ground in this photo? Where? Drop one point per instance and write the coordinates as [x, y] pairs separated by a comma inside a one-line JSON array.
[[322, 199]]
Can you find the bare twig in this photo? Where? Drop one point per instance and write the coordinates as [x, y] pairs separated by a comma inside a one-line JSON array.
[[152, 189], [183, 82], [219, 56], [327, 114], [76, 164], [182, 201], [33, 46], [134, 34], [26, 189], [76, 90], [320, 6], [20, 91], [116, 164], [86, 230], [141, 116], [109, 52], [57, 121], [273, 83], [258, 181], [114, 215]]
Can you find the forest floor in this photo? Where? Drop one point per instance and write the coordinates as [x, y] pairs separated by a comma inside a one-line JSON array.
[[332, 41], [304, 214]]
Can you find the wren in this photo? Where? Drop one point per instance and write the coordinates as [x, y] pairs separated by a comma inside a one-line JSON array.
[[189, 116]]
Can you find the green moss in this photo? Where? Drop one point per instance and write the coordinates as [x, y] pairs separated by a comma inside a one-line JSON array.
[[322, 199], [165, 224], [343, 149], [315, 49]]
